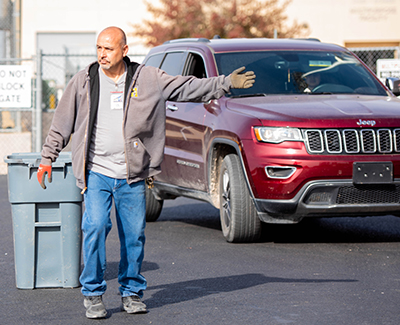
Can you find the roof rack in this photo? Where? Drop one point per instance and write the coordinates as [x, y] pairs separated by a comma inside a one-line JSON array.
[[180, 40], [206, 40], [307, 39]]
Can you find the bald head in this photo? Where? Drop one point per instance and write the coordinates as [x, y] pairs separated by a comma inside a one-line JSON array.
[[114, 32], [111, 49]]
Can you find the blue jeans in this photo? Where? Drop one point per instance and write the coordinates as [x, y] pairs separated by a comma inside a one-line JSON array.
[[130, 206]]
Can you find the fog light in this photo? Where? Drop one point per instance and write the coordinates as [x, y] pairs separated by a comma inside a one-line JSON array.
[[279, 172], [319, 197]]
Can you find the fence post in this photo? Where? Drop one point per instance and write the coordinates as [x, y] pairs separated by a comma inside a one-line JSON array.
[[38, 115]]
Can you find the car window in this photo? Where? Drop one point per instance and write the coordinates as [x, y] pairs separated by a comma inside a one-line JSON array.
[[301, 72], [173, 63], [195, 66], [154, 60]]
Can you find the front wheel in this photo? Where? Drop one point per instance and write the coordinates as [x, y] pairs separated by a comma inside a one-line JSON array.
[[239, 220]]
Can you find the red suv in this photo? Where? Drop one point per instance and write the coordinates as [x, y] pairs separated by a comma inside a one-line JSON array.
[[317, 135]]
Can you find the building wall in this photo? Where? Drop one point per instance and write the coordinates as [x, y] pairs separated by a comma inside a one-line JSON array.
[[87, 16], [351, 23]]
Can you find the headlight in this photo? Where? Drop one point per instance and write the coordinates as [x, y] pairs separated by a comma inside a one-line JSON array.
[[277, 135]]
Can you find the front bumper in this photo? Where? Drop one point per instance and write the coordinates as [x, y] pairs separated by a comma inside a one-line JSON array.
[[332, 198]]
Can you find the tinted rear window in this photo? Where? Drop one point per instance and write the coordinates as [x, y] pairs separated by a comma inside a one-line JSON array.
[[155, 60], [173, 63]]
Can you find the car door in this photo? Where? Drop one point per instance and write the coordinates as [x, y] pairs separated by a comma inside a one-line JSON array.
[[185, 131]]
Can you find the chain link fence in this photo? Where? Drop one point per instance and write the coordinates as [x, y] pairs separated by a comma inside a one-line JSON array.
[[57, 71], [16, 123], [10, 27], [370, 55], [25, 129]]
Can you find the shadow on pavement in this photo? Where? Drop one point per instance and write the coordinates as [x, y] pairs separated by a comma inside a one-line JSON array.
[[189, 290], [312, 230], [112, 269]]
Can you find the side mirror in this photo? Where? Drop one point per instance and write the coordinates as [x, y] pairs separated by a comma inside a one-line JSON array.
[[394, 85]]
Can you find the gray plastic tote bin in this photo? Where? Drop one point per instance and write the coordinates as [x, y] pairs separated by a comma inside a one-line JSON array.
[[46, 223]]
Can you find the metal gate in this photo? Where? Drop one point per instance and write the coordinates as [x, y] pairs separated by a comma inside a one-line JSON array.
[[25, 129], [370, 55]]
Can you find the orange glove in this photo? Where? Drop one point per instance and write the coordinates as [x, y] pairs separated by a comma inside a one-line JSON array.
[[41, 174]]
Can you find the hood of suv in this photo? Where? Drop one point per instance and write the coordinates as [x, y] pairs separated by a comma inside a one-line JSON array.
[[319, 110]]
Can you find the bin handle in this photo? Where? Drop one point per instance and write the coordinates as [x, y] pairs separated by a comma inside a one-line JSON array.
[[34, 163], [61, 165], [53, 166], [29, 162]]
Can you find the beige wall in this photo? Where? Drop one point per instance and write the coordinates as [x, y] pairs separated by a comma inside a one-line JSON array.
[[344, 22], [352, 23], [78, 16]]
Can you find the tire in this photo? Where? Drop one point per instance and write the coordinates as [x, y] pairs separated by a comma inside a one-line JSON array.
[[153, 206], [239, 219]]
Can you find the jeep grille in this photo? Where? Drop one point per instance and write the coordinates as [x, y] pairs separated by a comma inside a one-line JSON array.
[[368, 194], [352, 141]]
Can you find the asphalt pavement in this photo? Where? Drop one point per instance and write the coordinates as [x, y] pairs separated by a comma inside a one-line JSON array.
[[321, 271]]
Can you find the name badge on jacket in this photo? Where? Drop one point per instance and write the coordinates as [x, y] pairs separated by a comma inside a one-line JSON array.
[[117, 100]]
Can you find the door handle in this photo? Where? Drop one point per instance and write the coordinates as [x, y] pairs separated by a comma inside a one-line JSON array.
[[172, 108]]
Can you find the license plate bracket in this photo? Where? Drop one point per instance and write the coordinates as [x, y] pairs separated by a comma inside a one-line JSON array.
[[373, 172]]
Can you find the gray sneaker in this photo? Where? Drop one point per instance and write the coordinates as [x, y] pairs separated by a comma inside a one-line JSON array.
[[94, 307], [133, 305]]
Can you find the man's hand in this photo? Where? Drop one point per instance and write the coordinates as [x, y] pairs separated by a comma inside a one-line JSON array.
[[41, 174], [244, 80]]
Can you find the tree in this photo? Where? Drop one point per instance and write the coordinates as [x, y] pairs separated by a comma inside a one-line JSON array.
[[227, 18]]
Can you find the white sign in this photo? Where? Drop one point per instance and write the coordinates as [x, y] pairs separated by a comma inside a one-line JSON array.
[[386, 68], [15, 85]]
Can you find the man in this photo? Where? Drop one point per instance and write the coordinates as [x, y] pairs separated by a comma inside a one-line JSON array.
[[313, 80], [111, 162]]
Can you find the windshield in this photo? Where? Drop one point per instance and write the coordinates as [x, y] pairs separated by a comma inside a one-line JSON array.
[[301, 72]]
